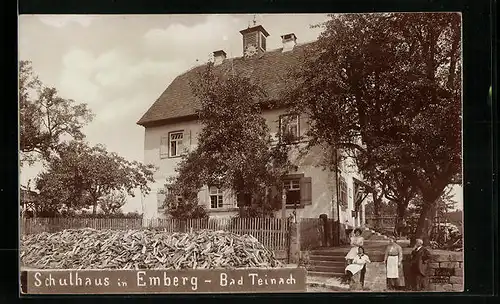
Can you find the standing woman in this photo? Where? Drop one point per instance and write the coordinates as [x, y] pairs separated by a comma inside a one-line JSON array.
[[356, 241], [393, 260]]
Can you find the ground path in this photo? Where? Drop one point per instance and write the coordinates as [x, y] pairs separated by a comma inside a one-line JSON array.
[[375, 249]]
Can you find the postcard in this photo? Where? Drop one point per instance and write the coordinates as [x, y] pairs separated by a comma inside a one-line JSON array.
[[240, 153]]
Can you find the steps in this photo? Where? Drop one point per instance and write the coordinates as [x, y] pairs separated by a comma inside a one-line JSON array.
[[374, 236], [328, 262], [377, 236]]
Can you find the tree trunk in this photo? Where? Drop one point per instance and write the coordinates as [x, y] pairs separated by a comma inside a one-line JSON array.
[[426, 219], [400, 216], [377, 203], [94, 208]]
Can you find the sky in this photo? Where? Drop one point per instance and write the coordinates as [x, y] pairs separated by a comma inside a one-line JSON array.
[[120, 64]]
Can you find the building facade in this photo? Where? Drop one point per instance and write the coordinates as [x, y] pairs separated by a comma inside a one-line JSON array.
[[172, 128]]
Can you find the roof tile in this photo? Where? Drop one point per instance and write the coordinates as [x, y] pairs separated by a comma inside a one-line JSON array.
[[270, 71]]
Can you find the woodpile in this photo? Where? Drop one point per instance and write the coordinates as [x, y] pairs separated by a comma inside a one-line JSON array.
[[143, 249]]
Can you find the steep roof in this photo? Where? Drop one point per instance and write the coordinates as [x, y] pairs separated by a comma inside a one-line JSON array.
[[270, 71]]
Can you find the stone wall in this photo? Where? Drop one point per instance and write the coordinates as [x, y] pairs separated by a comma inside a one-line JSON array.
[[446, 271]]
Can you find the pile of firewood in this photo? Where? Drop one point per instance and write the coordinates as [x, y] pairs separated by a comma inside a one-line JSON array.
[[143, 249]]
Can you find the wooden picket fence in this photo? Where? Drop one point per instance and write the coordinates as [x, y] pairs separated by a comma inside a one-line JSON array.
[[269, 231]]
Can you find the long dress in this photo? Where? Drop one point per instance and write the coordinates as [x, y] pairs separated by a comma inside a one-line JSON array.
[[394, 272], [356, 269], [356, 242]]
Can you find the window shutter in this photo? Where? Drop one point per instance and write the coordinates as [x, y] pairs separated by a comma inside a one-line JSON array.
[[303, 125], [160, 195], [164, 147], [305, 191], [186, 141], [204, 197]]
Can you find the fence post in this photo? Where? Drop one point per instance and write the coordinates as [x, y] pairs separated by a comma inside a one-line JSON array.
[[293, 242], [324, 221]]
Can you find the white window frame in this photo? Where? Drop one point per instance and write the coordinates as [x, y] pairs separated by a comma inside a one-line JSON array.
[[178, 143], [287, 123], [217, 193], [292, 185]]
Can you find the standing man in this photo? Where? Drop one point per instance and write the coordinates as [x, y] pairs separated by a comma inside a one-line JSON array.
[[420, 257]]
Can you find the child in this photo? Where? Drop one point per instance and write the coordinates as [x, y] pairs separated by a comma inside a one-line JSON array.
[[356, 242]]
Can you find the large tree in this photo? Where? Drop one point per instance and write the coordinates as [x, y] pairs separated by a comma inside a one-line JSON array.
[[235, 150], [80, 176], [388, 88], [45, 118]]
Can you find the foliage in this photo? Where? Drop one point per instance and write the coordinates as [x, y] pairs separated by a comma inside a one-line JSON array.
[[387, 88], [187, 209], [81, 176], [80, 214], [387, 208], [444, 204], [112, 202], [234, 148], [258, 210], [399, 190], [45, 117]]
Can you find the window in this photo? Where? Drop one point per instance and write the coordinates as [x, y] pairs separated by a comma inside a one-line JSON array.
[[175, 146], [171, 199], [263, 41], [216, 198], [292, 188], [289, 127], [343, 194], [298, 191]]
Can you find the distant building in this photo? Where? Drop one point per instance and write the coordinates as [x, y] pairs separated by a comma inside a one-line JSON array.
[[172, 126], [27, 199]]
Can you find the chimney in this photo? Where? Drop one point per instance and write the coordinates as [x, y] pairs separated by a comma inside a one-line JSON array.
[[254, 40], [289, 41], [219, 57]]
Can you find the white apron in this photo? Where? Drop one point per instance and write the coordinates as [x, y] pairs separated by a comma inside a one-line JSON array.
[[354, 268], [392, 267], [357, 264]]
